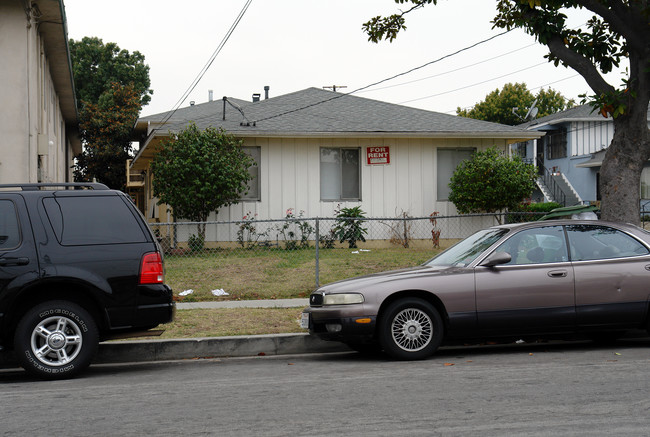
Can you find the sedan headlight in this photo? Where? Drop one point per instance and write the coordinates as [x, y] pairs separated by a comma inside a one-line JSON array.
[[342, 299]]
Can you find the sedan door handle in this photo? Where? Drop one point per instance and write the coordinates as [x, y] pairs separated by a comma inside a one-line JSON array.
[[557, 273], [23, 261]]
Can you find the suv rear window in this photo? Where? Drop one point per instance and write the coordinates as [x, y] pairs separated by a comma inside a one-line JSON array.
[[9, 230], [79, 221]]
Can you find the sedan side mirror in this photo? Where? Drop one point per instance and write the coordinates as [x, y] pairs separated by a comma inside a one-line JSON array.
[[497, 258]]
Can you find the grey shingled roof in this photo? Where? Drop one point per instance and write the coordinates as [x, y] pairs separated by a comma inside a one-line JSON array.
[[582, 112], [314, 111]]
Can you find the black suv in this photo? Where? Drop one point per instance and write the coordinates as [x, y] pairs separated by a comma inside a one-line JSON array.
[[78, 264]]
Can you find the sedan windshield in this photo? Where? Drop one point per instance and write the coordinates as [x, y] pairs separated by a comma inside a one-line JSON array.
[[466, 251]]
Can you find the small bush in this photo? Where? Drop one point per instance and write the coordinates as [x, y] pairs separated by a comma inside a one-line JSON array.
[[196, 243], [348, 227], [530, 212]]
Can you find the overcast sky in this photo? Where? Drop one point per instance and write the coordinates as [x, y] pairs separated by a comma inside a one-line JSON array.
[[291, 45]]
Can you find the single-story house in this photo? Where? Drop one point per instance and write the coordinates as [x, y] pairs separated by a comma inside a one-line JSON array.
[[569, 156], [39, 124], [318, 149]]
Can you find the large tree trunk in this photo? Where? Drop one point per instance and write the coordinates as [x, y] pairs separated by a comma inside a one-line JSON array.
[[620, 173]]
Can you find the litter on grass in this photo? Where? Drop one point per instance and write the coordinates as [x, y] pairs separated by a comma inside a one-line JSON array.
[[186, 292], [219, 292]]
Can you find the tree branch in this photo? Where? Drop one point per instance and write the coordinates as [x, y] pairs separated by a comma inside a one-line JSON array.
[[580, 64], [623, 20]]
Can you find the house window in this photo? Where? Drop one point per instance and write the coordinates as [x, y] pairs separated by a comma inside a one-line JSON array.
[[555, 144], [254, 184], [520, 150], [448, 160], [340, 174], [645, 183]]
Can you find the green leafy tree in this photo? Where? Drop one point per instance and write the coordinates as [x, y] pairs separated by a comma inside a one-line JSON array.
[[491, 182], [96, 66], [196, 172], [497, 106], [619, 30], [106, 129], [111, 87]]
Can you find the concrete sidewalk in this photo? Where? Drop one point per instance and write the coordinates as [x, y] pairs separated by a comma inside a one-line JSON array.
[[210, 347], [270, 303]]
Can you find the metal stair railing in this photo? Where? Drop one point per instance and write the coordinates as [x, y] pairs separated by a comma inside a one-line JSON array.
[[556, 191]]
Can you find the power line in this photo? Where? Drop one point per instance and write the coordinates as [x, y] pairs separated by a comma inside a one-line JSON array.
[[452, 71], [205, 68], [529, 89], [473, 85], [338, 96]]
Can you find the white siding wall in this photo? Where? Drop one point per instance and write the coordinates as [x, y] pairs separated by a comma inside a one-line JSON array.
[[290, 178], [590, 137]]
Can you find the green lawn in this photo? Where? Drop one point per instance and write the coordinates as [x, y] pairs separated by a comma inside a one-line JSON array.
[[277, 273]]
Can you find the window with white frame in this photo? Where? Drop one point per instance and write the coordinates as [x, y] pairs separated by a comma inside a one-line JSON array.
[[448, 160], [340, 173], [254, 170]]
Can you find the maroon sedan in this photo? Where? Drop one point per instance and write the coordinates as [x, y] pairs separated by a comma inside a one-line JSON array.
[[525, 280]]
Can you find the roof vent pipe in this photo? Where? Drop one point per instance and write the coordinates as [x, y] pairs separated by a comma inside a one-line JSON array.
[[266, 92], [210, 96], [224, 107], [256, 97]]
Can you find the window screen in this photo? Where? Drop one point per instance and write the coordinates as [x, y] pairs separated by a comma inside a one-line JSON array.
[[340, 174], [254, 171], [448, 160]]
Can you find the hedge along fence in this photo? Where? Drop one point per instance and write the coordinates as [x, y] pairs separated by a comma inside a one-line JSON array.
[[253, 259]]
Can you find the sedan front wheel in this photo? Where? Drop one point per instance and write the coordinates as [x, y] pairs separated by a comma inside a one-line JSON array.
[[410, 329]]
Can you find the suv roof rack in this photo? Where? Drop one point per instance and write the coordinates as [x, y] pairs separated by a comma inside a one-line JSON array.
[[60, 185]]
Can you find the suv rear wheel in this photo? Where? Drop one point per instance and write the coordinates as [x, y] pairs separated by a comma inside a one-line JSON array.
[[56, 339]]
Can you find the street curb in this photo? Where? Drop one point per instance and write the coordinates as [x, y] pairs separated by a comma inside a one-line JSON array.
[[213, 347], [205, 347]]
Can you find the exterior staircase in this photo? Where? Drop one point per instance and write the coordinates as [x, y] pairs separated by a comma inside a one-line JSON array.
[[556, 188]]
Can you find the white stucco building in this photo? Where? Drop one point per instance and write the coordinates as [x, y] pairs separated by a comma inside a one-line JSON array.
[[39, 125]]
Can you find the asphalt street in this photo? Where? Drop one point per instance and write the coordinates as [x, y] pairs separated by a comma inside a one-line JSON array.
[[556, 389]]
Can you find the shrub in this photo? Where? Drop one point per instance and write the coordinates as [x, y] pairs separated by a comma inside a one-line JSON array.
[[348, 226]]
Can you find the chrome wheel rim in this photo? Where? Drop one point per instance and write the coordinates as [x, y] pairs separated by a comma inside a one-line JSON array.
[[56, 341], [412, 329]]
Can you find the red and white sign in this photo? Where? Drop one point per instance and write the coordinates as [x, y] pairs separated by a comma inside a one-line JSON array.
[[378, 155]]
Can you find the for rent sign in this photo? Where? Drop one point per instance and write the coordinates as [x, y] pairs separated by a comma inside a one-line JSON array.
[[378, 155]]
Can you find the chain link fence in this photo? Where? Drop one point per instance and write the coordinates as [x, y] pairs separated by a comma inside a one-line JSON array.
[[289, 257]]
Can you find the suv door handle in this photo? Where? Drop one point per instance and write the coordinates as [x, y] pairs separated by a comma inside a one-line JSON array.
[[557, 273], [23, 261]]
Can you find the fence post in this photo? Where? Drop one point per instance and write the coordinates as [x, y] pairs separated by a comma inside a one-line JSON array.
[[317, 251]]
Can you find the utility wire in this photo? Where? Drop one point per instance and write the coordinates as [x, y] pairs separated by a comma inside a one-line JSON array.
[[205, 68], [451, 71], [529, 89], [472, 85], [338, 96]]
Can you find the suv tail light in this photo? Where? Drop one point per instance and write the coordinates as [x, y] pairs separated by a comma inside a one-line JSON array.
[[151, 270]]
